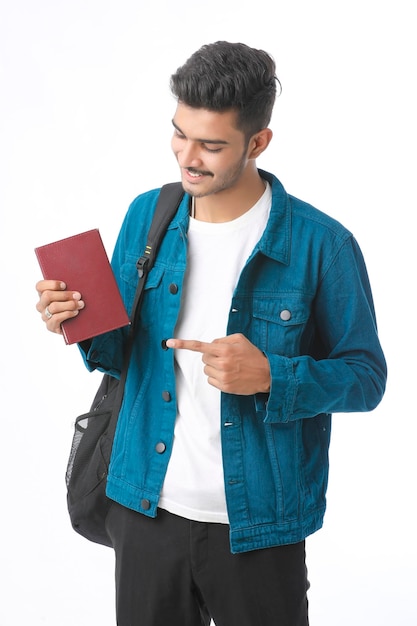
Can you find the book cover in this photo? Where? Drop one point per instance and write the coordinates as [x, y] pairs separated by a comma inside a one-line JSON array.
[[81, 262]]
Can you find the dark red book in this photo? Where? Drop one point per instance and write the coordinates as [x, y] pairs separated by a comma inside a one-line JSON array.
[[81, 262]]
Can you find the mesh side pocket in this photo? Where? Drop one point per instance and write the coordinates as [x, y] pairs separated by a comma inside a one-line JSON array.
[[80, 427], [91, 427], [90, 453]]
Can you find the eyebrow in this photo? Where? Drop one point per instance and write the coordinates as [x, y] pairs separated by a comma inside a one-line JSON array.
[[211, 141]]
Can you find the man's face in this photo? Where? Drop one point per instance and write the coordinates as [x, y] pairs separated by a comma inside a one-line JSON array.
[[210, 151]]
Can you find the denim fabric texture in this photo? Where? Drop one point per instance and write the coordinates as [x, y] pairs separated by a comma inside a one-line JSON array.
[[305, 300]]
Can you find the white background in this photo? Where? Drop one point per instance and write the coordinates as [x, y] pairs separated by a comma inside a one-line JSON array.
[[85, 119]]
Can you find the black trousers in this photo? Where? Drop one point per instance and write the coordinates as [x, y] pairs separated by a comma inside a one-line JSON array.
[[171, 571]]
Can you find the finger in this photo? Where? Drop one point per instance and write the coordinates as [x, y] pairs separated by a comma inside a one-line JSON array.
[[55, 308], [53, 285], [188, 344], [48, 296], [53, 324]]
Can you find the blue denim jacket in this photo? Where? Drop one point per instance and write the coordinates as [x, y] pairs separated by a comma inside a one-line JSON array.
[[304, 299]]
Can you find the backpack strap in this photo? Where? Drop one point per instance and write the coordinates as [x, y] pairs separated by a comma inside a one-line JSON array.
[[169, 200]]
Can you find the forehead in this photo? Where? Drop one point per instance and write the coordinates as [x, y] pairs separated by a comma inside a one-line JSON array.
[[200, 124]]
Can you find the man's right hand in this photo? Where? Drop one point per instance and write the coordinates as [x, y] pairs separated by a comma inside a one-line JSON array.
[[56, 304]]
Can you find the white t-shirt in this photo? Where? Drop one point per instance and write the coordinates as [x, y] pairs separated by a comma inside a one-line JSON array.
[[217, 252]]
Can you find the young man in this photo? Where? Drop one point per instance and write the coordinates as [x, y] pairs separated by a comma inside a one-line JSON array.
[[257, 324]]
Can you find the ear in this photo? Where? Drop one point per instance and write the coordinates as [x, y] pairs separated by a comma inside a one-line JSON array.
[[259, 142]]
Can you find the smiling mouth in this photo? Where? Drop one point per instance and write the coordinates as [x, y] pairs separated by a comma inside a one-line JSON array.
[[195, 173]]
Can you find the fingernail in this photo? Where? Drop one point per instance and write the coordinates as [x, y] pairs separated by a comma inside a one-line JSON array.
[[170, 343], [76, 295], [63, 285]]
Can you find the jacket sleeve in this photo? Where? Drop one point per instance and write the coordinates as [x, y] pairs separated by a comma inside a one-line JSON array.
[[352, 376], [104, 353]]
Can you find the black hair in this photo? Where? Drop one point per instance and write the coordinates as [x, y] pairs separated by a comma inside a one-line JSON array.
[[226, 76]]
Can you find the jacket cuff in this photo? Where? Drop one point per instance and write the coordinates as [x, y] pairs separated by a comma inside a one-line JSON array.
[[98, 354], [278, 405]]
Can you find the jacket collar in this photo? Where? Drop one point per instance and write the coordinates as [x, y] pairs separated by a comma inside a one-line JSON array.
[[276, 239]]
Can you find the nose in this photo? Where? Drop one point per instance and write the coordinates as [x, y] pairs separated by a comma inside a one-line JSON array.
[[189, 154]]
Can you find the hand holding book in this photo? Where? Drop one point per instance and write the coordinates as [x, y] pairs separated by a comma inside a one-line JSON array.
[[89, 293]]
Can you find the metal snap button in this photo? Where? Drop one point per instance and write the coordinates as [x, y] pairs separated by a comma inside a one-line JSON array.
[[285, 315]]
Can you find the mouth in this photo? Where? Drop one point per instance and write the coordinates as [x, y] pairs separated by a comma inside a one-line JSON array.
[[195, 175]]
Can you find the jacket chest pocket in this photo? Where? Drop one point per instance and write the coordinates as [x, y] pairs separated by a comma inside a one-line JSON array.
[[279, 323], [151, 304]]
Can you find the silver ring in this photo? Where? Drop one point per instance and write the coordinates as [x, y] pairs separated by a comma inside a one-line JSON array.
[[48, 313]]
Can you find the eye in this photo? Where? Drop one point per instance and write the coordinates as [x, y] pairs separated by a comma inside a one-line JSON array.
[[178, 134], [213, 150]]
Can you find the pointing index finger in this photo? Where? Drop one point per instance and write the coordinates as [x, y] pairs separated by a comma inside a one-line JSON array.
[[188, 344]]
